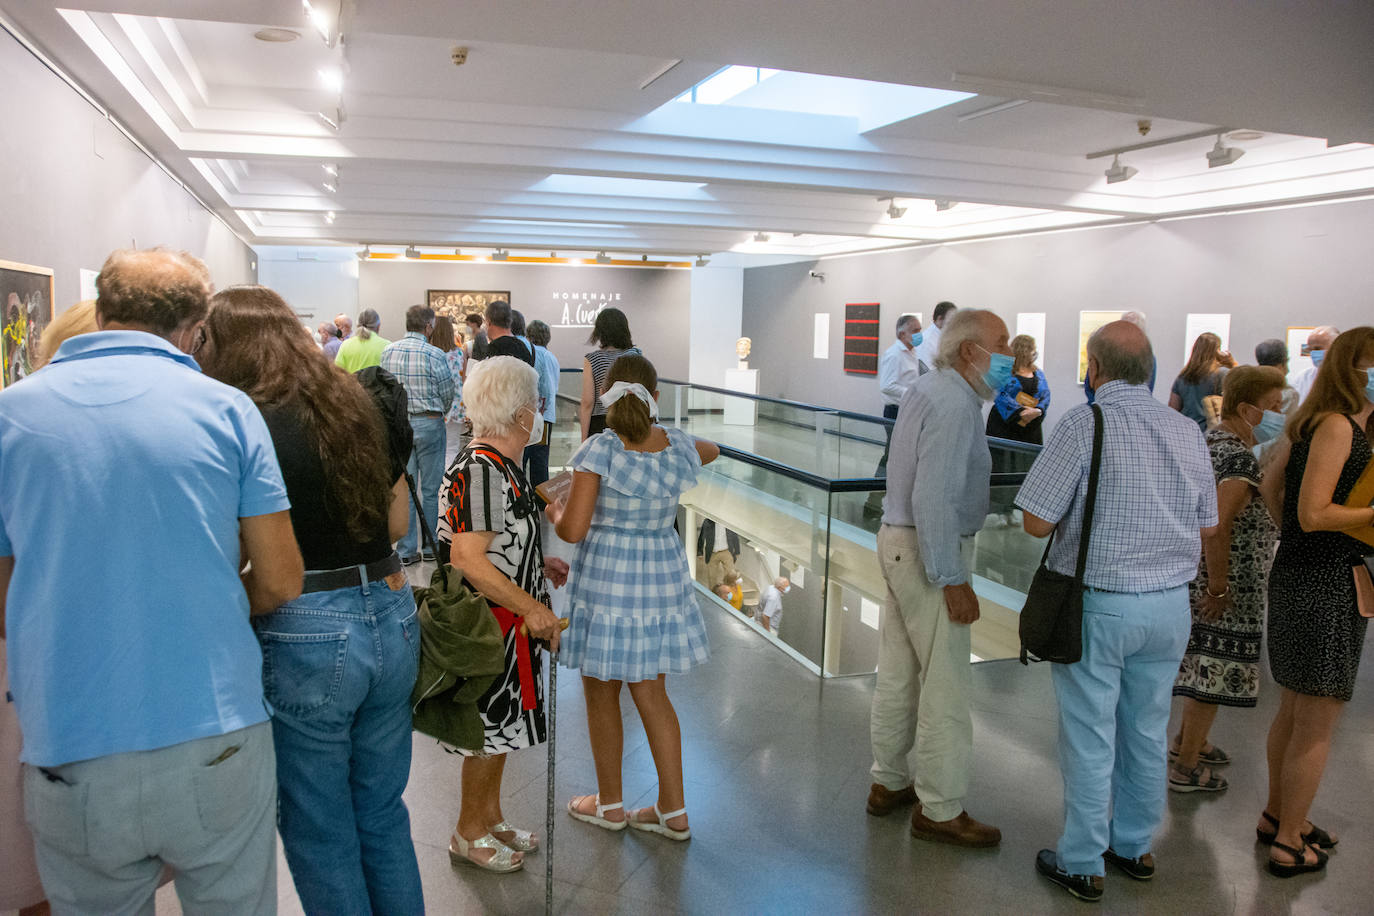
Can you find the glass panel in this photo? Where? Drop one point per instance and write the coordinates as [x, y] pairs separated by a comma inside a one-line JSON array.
[[862, 443]]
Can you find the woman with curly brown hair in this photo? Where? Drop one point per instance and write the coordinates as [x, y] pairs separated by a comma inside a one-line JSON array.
[[339, 662]]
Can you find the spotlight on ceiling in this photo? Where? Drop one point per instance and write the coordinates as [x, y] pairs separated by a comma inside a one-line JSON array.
[[893, 211], [603, 258], [327, 121], [412, 252], [499, 255], [319, 20], [365, 253], [702, 260], [329, 217], [331, 169], [330, 184], [1221, 154], [761, 236], [942, 204], [331, 78], [1119, 172]]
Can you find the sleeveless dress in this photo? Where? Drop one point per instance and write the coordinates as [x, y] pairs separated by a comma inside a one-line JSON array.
[[1221, 665], [486, 491], [1315, 631], [632, 605]]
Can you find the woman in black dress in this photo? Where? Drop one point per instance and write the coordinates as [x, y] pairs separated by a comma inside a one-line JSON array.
[[1315, 631]]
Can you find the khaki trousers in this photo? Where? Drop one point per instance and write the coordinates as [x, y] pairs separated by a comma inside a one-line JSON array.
[[921, 701], [721, 569]]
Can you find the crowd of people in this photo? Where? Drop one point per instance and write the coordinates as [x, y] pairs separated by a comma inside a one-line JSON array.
[[268, 685], [1181, 577]]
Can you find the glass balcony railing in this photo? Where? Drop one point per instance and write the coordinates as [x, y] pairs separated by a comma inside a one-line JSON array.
[[794, 493]]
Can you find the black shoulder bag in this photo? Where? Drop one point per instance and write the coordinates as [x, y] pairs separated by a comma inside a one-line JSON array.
[[1051, 625]]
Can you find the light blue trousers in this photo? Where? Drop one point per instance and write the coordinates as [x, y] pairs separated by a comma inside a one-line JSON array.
[[1113, 720]]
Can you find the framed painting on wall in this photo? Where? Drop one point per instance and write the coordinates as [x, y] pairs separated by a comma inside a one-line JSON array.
[[1087, 323], [27, 294], [861, 338], [456, 304]]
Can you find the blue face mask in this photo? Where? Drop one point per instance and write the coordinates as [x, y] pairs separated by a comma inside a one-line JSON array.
[[1316, 356], [999, 369], [916, 339], [1269, 427], [1369, 386]]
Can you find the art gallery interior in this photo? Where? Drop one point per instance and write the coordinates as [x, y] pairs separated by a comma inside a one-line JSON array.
[[752, 169]]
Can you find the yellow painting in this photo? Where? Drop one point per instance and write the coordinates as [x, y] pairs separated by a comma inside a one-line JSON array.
[[1087, 323]]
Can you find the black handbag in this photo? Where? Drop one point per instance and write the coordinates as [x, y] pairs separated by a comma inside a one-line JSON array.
[[1051, 624]]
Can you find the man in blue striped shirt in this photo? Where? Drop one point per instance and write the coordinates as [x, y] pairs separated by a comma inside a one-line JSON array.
[[1155, 497], [423, 370]]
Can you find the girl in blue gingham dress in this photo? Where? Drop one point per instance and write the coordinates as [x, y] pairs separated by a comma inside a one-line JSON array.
[[632, 605]]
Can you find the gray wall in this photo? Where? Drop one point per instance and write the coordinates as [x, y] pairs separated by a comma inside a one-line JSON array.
[[75, 188], [656, 301], [1300, 266]]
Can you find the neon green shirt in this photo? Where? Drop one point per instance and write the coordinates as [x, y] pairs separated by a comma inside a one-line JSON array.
[[357, 353]]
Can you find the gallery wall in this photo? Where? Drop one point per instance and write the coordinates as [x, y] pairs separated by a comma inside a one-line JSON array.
[[1300, 266], [75, 188], [656, 301]]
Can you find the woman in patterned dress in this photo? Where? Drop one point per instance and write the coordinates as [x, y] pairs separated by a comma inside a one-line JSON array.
[[1315, 630], [489, 526], [633, 608], [1221, 666], [447, 338]]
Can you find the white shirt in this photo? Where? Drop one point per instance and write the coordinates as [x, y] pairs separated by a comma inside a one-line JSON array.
[[772, 607], [722, 540], [898, 370], [1301, 382], [930, 345]]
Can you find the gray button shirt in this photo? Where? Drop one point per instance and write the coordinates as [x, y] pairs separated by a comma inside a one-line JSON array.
[[938, 471]]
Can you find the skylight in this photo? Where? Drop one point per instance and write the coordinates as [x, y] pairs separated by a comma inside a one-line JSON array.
[[871, 104], [624, 187]]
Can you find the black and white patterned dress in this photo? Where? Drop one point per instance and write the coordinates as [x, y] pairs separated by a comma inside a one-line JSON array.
[[485, 491], [1221, 665], [1315, 631]]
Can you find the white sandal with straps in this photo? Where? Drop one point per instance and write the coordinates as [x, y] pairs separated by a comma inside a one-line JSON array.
[[502, 859], [661, 826], [599, 818], [523, 841]]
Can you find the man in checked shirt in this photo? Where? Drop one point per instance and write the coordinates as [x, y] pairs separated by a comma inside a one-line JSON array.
[[1156, 496]]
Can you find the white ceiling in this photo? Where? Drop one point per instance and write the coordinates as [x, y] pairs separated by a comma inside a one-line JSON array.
[[434, 154]]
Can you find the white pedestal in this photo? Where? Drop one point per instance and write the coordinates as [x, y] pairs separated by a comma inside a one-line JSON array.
[[741, 411]]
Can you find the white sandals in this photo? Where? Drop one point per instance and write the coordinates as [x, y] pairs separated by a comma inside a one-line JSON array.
[[502, 859], [599, 818], [661, 826], [523, 841]]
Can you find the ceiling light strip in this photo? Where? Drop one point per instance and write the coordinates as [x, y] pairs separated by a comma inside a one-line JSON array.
[[1164, 141], [118, 125]]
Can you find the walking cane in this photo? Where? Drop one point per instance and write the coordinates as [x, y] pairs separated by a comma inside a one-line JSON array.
[[548, 805]]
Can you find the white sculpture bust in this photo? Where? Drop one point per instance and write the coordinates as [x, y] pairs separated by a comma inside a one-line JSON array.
[[742, 348]]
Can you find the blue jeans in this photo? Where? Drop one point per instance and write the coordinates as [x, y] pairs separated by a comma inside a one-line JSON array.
[[1113, 720], [338, 668], [426, 466]]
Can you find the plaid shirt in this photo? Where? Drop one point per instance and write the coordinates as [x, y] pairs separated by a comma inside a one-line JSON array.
[[1155, 491], [423, 370]]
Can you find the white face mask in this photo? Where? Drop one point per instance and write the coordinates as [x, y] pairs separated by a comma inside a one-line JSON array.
[[536, 428]]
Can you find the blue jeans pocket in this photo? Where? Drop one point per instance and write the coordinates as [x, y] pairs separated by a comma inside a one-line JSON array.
[[302, 672], [55, 811]]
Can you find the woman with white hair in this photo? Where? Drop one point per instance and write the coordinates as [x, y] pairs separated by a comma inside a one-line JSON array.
[[489, 525]]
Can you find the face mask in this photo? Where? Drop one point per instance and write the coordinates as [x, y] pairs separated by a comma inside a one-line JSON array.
[[916, 339], [536, 429], [1369, 386], [1317, 356], [1269, 427], [998, 371]]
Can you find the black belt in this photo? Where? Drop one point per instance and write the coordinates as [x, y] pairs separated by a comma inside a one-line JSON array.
[[325, 580], [427, 413]]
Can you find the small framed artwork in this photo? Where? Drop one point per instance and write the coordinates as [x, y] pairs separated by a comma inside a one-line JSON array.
[[861, 338], [27, 294], [457, 304], [1087, 323]]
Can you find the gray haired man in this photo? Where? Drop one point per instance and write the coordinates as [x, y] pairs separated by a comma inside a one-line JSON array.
[[937, 500]]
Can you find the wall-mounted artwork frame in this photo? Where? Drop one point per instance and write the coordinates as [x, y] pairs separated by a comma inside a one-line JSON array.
[[26, 297], [861, 336], [457, 304], [1087, 323]]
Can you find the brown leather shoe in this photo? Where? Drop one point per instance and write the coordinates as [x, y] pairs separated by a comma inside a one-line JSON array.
[[960, 831], [882, 801]]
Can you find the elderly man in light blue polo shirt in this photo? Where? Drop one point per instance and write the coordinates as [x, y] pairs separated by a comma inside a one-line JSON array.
[[1156, 494], [133, 490]]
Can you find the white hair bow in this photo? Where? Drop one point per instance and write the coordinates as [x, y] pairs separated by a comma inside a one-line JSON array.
[[620, 389]]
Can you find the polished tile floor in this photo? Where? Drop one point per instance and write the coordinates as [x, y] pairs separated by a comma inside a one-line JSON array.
[[777, 774]]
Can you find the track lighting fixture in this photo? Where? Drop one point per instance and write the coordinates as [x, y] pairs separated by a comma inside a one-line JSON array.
[[942, 204], [412, 252], [1119, 172], [894, 211], [320, 21], [761, 236], [702, 260], [1221, 154], [329, 217], [327, 121], [499, 255], [365, 253], [331, 185], [331, 169], [603, 258]]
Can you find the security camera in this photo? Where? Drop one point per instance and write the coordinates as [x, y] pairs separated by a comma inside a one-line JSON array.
[[459, 54], [817, 274]]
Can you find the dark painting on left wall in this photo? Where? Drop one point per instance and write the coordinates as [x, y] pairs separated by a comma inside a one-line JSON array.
[[26, 293]]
